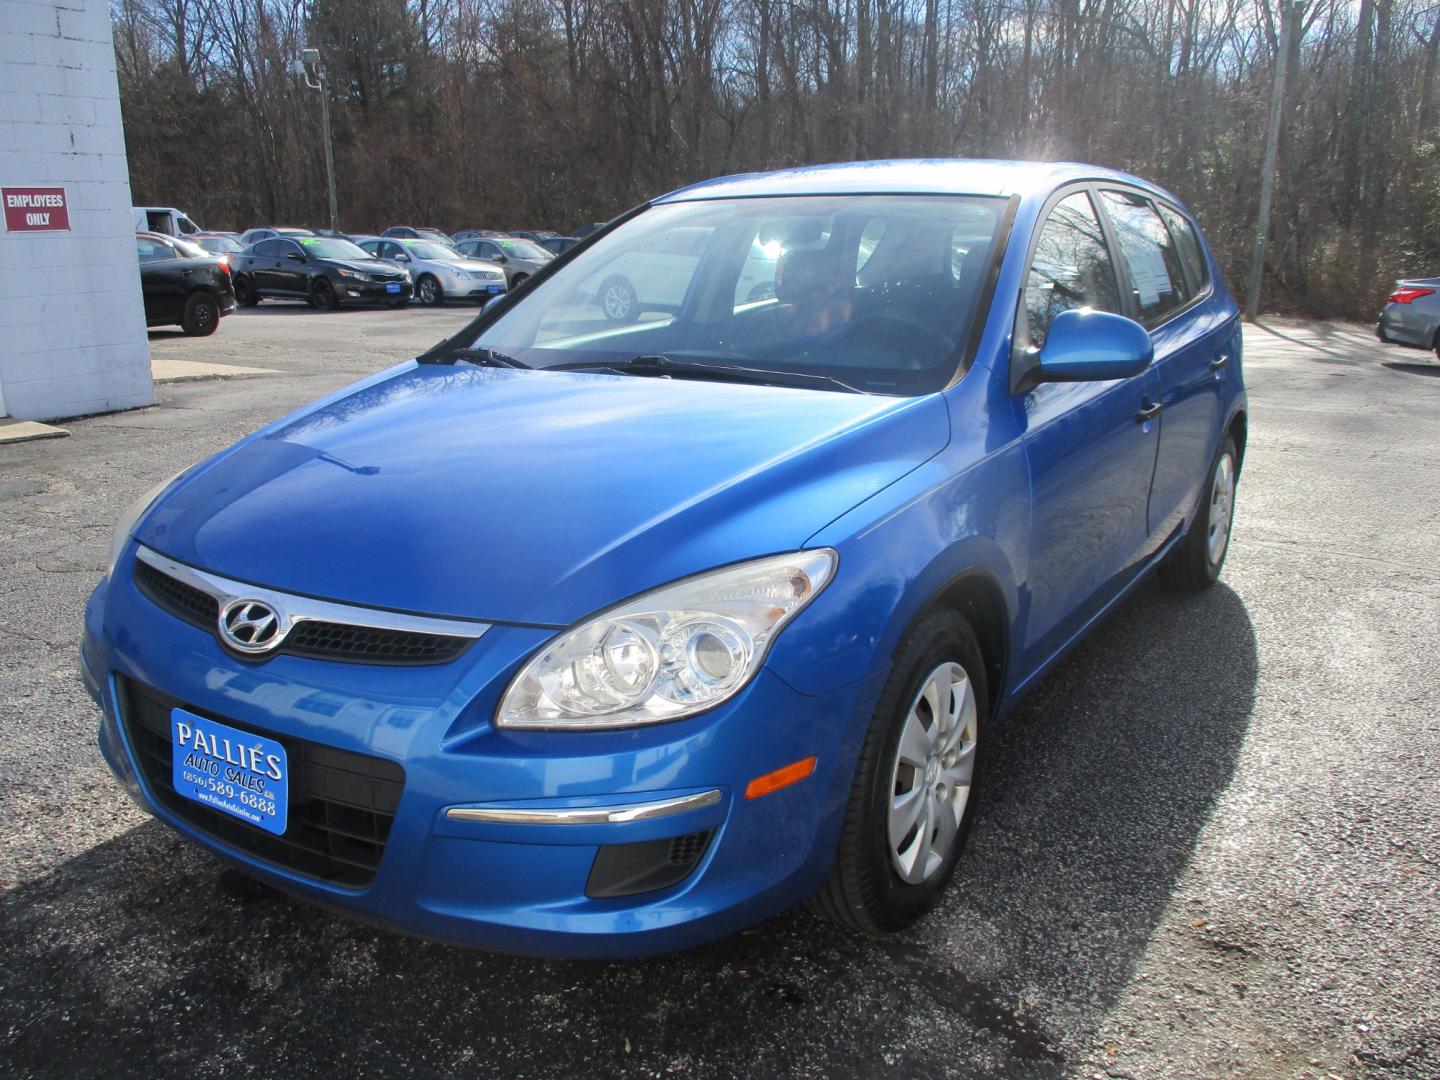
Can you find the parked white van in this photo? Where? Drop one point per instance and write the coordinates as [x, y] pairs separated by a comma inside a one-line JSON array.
[[164, 219]]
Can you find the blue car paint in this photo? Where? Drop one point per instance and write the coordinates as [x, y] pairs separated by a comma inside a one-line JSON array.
[[408, 491], [612, 515]]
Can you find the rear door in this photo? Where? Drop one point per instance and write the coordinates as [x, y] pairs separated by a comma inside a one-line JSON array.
[[161, 280], [262, 262], [1173, 298], [1090, 445]]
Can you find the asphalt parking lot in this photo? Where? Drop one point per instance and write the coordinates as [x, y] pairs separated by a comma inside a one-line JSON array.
[[1207, 847]]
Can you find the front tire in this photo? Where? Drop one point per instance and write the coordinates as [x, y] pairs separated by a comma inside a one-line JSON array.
[[429, 292], [912, 798], [1196, 562], [323, 296], [202, 314]]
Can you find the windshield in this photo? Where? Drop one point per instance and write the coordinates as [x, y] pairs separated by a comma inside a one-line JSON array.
[[523, 249], [876, 291], [428, 249], [321, 247], [219, 244]]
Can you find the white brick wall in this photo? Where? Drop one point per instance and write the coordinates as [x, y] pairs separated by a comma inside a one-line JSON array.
[[72, 325]]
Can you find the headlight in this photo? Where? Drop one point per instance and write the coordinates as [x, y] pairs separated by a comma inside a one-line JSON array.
[[133, 513], [355, 274], [670, 653]]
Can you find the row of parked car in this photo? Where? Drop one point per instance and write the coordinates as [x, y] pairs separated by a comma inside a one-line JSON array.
[[192, 277]]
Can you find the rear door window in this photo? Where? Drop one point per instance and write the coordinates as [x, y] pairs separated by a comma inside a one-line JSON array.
[[152, 250], [1071, 267], [267, 249], [1157, 280]]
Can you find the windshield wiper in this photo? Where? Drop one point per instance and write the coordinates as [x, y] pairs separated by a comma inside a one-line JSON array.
[[483, 357], [663, 366]]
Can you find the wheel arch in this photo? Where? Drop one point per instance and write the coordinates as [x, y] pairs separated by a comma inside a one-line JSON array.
[[977, 596], [1238, 429]]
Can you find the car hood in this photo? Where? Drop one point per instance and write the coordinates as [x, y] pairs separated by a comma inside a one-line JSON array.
[[474, 264], [530, 496], [362, 266]]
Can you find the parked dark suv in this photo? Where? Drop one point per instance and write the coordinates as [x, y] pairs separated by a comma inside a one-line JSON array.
[[325, 271], [183, 284]]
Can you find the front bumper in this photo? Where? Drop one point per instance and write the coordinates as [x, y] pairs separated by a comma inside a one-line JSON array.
[[481, 289], [372, 292], [511, 867]]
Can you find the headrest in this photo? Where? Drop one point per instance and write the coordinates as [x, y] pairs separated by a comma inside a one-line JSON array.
[[807, 274]]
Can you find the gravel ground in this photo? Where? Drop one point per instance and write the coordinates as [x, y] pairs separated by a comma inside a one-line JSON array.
[[1207, 846]]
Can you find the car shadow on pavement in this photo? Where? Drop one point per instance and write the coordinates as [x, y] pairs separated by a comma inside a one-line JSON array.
[[147, 954], [1433, 370]]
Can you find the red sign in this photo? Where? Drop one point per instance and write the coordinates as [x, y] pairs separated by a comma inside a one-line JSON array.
[[35, 209]]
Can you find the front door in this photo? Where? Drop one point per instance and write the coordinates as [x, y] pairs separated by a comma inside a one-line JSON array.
[[289, 269], [1090, 445]]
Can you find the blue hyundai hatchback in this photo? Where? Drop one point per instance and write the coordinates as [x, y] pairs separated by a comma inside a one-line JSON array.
[[601, 636]]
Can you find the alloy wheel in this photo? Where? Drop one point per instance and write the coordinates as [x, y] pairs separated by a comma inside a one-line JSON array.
[[931, 780], [1222, 508], [617, 302]]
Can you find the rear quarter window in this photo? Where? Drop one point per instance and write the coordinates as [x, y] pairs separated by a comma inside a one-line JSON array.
[[1187, 243]]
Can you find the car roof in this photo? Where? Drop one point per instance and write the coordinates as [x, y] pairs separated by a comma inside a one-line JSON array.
[[922, 176]]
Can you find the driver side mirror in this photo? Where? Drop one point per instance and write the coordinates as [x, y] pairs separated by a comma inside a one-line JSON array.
[[402, 257], [499, 257], [297, 256], [1093, 346]]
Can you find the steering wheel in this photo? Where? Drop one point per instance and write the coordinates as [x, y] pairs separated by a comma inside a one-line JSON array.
[[896, 331]]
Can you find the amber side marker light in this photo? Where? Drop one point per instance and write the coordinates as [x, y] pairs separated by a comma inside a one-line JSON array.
[[781, 778]]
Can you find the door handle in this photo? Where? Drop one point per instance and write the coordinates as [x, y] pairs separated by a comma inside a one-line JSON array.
[[1149, 412], [1219, 361]]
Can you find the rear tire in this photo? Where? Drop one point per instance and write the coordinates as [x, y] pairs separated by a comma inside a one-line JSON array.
[[618, 300], [202, 314], [1196, 562], [245, 294], [897, 853]]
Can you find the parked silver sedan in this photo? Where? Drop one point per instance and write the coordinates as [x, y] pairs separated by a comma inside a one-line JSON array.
[[519, 257], [440, 272], [1411, 315]]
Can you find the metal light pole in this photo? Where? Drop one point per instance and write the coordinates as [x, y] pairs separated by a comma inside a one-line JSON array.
[[308, 68], [1290, 14]]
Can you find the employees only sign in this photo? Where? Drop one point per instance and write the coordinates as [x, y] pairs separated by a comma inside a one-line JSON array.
[[35, 209]]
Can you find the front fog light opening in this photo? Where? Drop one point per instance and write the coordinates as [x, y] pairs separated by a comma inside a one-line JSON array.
[[648, 866]]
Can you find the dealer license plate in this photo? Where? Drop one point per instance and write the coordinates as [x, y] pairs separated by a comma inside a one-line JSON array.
[[492, 289], [237, 772], [393, 286]]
